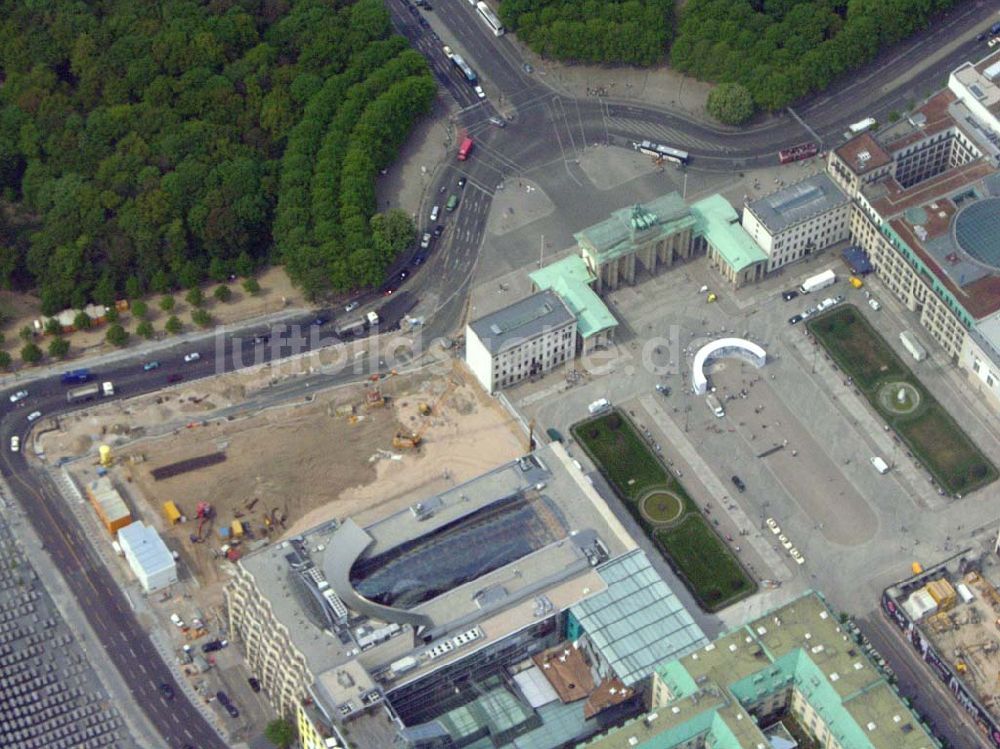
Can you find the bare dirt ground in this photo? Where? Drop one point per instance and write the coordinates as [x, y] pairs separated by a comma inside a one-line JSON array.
[[276, 294], [307, 461]]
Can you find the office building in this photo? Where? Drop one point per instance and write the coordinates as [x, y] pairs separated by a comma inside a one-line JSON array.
[[796, 220], [926, 196], [525, 339], [512, 607], [795, 662]]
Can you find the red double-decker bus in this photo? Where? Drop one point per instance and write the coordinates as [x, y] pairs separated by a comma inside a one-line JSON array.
[[797, 153], [465, 149]]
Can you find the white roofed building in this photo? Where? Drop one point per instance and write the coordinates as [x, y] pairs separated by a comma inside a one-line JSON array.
[[148, 556]]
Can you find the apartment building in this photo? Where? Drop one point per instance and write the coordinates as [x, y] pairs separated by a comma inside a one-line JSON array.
[[525, 339], [796, 660], [799, 219]]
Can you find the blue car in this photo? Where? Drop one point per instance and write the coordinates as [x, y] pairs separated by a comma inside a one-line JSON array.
[[150, 365]]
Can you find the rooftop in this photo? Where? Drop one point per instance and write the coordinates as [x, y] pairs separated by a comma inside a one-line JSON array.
[[145, 544], [521, 321], [863, 154], [658, 625], [798, 202], [799, 645], [719, 223], [572, 279], [637, 224], [528, 534], [103, 493]]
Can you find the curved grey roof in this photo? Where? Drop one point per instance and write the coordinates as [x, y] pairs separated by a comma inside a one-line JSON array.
[[351, 541]]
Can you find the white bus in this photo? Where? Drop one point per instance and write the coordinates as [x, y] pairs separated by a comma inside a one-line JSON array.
[[662, 152], [490, 18]]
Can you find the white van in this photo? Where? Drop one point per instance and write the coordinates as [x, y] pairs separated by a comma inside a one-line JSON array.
[[434, 212], [598, 406], [880, 465]]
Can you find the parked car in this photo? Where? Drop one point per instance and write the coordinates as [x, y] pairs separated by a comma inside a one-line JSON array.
[[435, 211], [419, 259], [351, 306], [319, 322], [662, 389], [177, 621], [167, 691], [254, 684], [175, 377], [150, 365], [34, 415], [262, 338], [498, 122], [15, 444], [425, 241], [223, 699], [462, 181], [213, 645], [794, 319], [874, 304], [789, 295], [738, 483], [482, 94], [193, 356], [20, 395], [554, 434]]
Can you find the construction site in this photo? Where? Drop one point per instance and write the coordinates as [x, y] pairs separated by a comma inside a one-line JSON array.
[[952, 617], [219, 471]]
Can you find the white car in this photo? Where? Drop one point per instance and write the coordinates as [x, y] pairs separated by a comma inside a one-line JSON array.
[[800, 559], [479, 91], [425, 241], [773, 525], [874, 304], [20, 395], [351, 307], [177, 620], [993, 42], [34, 415], [193, 356], [435, 212], [15, 444]]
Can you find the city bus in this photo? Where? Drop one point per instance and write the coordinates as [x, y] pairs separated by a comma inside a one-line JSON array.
[[467, 72], [465, 149], [662, 152], [489, 18]]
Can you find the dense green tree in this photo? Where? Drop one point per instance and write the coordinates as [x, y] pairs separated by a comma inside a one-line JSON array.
[[167, 303], [31, 354], [53, 326], [280, 732], [111, 314], [173, 325], [195, 297], [5, 360], [145, 329], [730, 104], [82, 321], [139, 309], [201, 318], [222, 293], [58, 348], [116, 335], [251, 286], [26, 333]]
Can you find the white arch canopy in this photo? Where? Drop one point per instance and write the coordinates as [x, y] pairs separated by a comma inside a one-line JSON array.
[[724, 347]]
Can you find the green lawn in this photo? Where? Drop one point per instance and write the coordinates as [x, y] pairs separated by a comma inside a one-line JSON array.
[[690, 545], [701, 557], [933, 436]]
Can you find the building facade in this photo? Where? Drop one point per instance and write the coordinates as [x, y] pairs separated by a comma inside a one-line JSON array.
[[526, 339], [925, 194], [799, 219], [795, 660]]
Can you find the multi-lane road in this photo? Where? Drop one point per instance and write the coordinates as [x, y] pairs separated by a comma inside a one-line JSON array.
[[546, 126]]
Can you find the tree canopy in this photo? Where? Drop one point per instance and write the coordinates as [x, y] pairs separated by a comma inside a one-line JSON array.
[[636, 32], [781, 50], [146, 146]]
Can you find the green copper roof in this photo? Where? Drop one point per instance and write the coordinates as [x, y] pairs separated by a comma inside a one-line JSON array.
[[571, 279], [798, 646], [638, 224], [719, 223]]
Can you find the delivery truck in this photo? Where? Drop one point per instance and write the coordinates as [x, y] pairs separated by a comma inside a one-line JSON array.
[[819, 281], [911, 344]]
